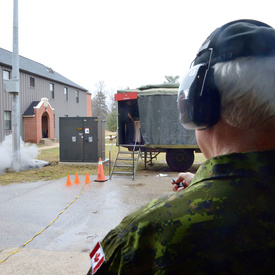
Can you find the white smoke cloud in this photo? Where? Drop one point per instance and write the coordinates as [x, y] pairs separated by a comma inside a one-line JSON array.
[[28, 153]]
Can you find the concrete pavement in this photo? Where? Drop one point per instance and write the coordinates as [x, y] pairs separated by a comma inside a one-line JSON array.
[[63, 248]]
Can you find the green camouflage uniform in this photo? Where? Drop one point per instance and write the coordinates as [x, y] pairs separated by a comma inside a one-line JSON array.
[[223, 223]]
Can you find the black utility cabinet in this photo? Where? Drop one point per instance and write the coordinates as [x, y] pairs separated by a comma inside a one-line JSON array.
[[82, 139]]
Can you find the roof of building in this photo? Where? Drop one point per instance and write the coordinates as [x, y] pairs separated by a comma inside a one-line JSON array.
[[30, 110], [156, 89], [36, 68]]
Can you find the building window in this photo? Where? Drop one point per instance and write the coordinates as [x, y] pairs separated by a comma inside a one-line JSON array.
[[77, 96], [66, 96], [32, 81], [7, 120], [6, 74], [52, 90]]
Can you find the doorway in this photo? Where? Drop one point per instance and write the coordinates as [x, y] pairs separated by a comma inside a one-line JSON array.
[[45, 127]]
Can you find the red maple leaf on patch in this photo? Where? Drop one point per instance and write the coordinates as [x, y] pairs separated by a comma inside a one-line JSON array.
[[96, 258]]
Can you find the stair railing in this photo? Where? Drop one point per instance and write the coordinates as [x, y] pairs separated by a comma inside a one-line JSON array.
[[110, 162], [134, 149]]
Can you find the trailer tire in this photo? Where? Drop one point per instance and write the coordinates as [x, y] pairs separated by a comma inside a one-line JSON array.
[[180, 160]]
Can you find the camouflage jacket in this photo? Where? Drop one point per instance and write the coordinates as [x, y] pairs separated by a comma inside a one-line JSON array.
[[222, 223]]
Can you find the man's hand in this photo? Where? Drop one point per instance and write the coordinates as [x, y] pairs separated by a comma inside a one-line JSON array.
[[185, 178]]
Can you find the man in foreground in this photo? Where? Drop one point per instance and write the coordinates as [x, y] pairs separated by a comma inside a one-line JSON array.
[[223, 220]]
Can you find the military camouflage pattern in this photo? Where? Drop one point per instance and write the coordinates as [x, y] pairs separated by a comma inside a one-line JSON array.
[[223, 223]]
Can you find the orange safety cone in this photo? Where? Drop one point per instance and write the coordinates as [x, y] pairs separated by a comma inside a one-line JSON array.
[[87, 179], [100, 172], [68, 183], [76, 179]]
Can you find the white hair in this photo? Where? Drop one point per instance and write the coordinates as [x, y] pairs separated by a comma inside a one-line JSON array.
[[247, 89]]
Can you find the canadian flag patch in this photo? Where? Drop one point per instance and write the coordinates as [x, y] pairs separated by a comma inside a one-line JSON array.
[[97, 257]]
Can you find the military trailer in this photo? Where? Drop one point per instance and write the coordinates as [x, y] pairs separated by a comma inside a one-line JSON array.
[[154, 115]]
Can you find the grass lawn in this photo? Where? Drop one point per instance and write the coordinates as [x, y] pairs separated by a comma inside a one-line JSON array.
[[57, 171]]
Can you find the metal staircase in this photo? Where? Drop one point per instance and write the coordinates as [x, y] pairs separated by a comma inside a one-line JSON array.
[[126, 161]]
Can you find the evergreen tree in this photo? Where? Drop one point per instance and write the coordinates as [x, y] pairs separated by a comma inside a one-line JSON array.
[[112, 103], [99, 106], [111, 121]]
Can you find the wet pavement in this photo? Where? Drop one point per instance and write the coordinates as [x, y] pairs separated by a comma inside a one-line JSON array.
[[63, 248]]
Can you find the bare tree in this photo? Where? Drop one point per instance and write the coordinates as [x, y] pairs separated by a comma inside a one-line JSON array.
[[172, 79]]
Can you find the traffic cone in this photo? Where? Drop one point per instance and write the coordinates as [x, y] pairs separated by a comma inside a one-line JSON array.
[[100, 172], [68, 183], [87, 180], [76, 178]]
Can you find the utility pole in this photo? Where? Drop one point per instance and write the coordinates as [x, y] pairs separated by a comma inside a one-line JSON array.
[[15, 93]]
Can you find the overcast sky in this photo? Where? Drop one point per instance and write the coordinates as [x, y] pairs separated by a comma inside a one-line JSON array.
[[124, 43]]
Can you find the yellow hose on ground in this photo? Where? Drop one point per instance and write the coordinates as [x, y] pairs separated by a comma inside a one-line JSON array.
[[12, 253]]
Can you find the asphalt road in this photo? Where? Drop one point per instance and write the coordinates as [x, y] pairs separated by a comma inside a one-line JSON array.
[[64, 247]]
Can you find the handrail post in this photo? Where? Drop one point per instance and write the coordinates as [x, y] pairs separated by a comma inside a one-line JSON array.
[[110, 154]]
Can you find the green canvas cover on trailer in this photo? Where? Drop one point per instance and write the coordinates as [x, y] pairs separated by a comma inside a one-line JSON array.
[[159, 119]]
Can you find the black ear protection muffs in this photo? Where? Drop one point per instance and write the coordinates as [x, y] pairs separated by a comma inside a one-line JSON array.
[[198, 97]]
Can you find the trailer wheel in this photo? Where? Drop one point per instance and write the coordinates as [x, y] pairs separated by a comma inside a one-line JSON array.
[[179, 160]]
